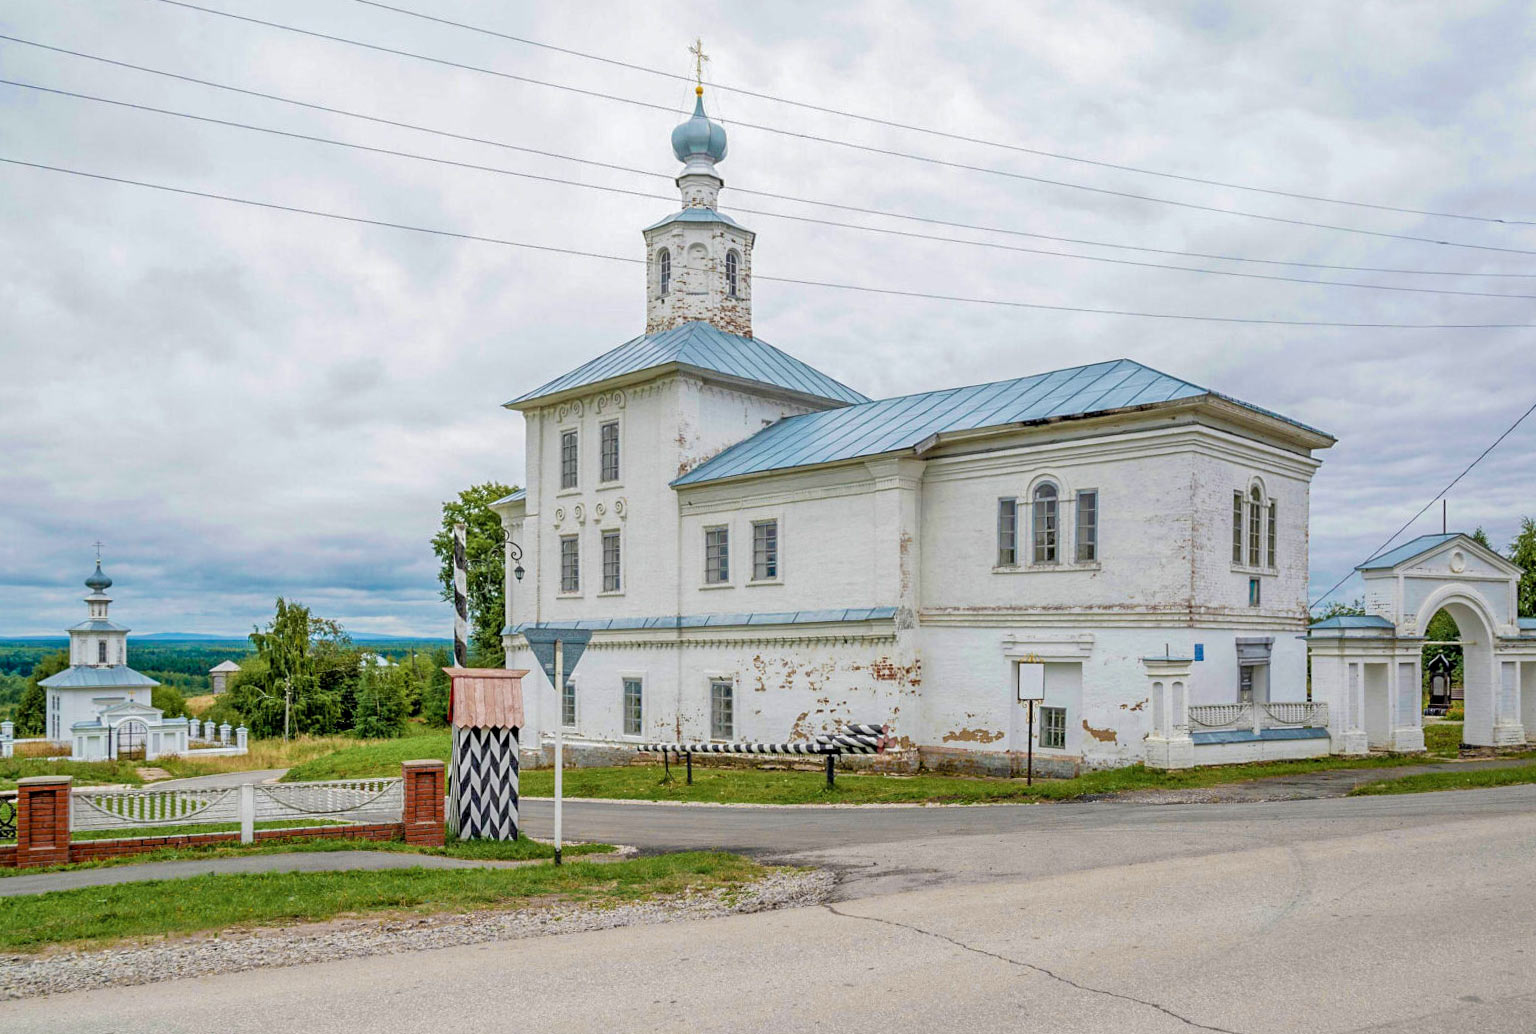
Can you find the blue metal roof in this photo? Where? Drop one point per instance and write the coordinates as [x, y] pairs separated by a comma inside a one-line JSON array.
[[704, 346], [892, 425], [97, 625], [1527, 624], [1354, 621], [696, 215], [838, 615], [521, 493], [83, 676], [1407, 551]]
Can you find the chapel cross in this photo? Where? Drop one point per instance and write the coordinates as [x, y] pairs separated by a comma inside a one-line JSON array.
[[699, 57], [98, 545]]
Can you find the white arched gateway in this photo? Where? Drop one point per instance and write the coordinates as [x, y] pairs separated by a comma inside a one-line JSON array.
[[1367, 668]]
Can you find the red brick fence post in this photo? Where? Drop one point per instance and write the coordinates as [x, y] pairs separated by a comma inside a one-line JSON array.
[[42, 820], [424, 787]]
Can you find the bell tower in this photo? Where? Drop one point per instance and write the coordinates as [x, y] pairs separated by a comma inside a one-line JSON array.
[[698, 261]]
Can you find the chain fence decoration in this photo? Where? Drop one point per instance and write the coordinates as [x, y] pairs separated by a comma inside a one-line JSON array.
[[125, 809], [853, 738], [350, 800], [345, 800], [1275, 715]]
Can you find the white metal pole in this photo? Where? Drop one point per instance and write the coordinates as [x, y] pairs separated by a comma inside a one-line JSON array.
[[559, 738]]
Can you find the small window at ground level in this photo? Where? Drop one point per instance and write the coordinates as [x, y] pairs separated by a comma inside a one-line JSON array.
[[1245, 683], [722, 709], [568, 705], [1255, 592], [1053, 727], [1087, 527], [634, 710]]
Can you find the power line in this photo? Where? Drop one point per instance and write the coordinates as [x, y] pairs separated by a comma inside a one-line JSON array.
[[888, 152], [930, 131], [887, 213], [1465, 471], [229, 123], [274, 206]]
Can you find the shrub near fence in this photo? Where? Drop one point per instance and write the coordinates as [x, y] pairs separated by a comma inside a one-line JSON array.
[[410, 807]]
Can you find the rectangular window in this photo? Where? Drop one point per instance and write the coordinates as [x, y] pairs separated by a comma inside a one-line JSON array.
[[1053, 727], [568, 459], [1245, 684], [717, 555], [101, 651], [1087, 527], [1237, 527], [1007, 532], [609, 446], [634, 707], [1273, 561], [1045, 524], [611, 577], [765, 550], [722, 709], [570, 564], [568, 705], [1254, 543], [1254, 592]]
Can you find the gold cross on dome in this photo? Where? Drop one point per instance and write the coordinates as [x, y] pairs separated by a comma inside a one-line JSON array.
[[699, 57]]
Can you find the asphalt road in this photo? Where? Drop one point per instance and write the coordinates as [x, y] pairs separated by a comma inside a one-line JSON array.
[[1401, 914]]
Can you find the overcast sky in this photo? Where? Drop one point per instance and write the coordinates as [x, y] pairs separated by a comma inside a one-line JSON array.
[[243, 403]]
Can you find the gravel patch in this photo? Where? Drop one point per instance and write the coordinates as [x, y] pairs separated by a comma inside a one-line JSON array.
[[27, 976]]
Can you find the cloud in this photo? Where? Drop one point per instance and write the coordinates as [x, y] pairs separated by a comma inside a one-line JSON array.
[[245, 403]]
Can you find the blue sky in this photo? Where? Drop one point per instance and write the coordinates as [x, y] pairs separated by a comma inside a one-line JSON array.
[[243, 404]]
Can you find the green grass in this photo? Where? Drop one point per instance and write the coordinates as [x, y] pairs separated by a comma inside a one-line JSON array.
[[759, 786], [1452, 779], [86, 773], [193, 829], [221, 901], [373, 758], [521, 849], [1443, 739]]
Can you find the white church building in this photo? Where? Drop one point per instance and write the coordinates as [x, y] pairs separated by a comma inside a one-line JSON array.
[[762, 552], [99, 705]]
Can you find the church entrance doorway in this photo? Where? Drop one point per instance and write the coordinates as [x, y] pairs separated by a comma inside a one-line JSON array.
[[1474, 641], [132, 736]]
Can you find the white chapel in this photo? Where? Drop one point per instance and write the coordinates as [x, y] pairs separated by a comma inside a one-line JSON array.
[[762, 552], [99, 705]]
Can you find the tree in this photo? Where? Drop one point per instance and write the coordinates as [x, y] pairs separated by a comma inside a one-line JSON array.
[[32, 711], [485, 559], [169, 701], [1522, 552], [301, 678], [380, 704], [1338, 609], [1481, 538]]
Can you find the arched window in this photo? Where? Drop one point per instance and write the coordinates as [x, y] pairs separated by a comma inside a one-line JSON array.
[[1255, 511], [1045, 523], [730, 273], [664, 263], [101, 651]]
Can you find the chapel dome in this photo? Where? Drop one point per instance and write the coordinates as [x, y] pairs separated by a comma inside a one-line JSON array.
[[699, 136], [98, 582]]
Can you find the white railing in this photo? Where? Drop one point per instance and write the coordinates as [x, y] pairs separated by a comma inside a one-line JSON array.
[[1274, 715], [344, 800]]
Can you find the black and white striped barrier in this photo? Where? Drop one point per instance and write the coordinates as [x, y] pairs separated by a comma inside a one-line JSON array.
[[851, 739]]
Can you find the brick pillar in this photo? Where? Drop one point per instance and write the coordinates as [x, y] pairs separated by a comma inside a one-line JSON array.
[[424, 787], [42, 820]]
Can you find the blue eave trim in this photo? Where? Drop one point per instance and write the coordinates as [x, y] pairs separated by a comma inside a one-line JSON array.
[[678, 621]]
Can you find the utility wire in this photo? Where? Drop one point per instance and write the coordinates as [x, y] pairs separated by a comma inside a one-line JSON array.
[[930, 131], [888, 152], [273, 206], [782, 280], [888, 213], [229, 123], [1465, 471]]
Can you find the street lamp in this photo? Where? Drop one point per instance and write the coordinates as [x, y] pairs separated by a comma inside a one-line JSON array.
[[514, 553]]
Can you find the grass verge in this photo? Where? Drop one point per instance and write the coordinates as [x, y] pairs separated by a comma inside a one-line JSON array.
[[760, 786], [365, 759], [224, 901], [1443, 739], [192, 829], [521, 849], [86, 773], [1452, 779]]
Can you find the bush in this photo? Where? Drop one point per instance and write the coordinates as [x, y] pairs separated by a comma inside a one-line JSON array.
[[1456, 713], [170, 702]]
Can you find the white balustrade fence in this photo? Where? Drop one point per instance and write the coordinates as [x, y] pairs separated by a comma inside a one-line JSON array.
[[1274, 715], [342, 800]]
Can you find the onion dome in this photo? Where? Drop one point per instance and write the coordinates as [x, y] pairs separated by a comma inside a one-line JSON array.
[[699, 136], [98, 582]]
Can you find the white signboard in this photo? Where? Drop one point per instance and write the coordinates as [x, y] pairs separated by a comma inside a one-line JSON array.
[[1030, 677]]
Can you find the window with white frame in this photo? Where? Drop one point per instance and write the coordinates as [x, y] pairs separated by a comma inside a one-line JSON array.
[[1053, 728], [1255, 520], [664, 264], [1270, 539], [634, 707], [1237, 527], [608, 447], [765, 550], [612, 579], [568, 455], [568, 705], [1045, 523], [722, 709], [1087, 526], [1007, 532], [101, 651], [717, 555], [570, 564], [731, 261]]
